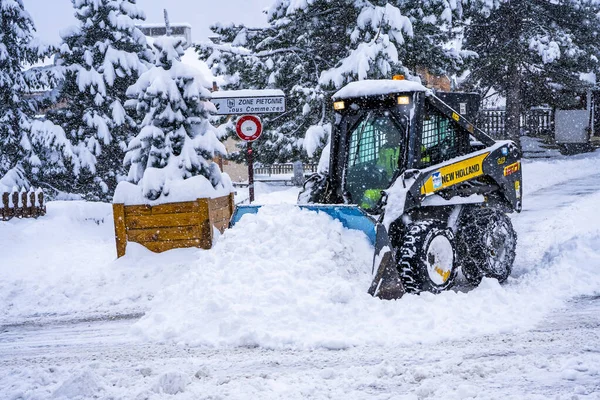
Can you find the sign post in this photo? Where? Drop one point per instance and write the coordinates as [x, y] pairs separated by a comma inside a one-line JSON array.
[[250, 172], [249, 128], [248, 103]]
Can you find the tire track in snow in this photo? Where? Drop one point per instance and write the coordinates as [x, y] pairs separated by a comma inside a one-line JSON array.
[[558, 359]]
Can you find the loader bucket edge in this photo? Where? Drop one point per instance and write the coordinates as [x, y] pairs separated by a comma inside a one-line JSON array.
[[386, 283], [351, 217]]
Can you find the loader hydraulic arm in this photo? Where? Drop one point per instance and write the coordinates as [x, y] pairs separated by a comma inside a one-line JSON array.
[[461, 120]]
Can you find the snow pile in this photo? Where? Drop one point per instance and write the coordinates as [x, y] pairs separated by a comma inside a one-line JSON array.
[[286, 278], [251, 287], [63, 266], [171, 383], [84, 385]]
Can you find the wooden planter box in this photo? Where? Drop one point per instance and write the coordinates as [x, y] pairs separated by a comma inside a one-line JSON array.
[[171, 225]]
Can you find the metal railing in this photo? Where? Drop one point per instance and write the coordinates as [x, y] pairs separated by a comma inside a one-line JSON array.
[[535, 122], [282, 169]]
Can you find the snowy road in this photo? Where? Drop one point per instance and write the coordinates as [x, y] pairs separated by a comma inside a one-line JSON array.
[[537, 337], [560, 359], [554, 214]]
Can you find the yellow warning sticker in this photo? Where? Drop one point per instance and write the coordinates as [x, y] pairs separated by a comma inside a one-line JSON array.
[[518, 189], [512, 168], [455, 116], [453, 174]]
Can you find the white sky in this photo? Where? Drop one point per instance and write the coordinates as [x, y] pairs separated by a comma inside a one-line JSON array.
[[50, 16]]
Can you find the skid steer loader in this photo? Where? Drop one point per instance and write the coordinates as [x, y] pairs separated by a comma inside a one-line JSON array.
[[430, 189]]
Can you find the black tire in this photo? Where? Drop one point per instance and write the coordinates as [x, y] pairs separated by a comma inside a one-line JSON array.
[[425, 246], [486, 244]]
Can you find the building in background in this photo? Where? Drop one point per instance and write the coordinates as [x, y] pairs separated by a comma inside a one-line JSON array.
[[159, 29], [238, 172], [431, 81]]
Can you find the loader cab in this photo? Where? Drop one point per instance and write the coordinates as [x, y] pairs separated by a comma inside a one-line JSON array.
[[383, 128], [373, 138], [375, 143]]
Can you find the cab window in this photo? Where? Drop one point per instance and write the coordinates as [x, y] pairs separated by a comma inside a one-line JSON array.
[[440, 140], [375, 149]]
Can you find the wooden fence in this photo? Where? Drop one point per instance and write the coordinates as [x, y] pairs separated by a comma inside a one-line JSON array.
[[281, 169], [536, 122], [22, 204]]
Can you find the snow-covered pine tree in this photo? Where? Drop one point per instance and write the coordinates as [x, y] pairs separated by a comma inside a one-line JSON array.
[[531, 51], [310, 49], [28, 147], [102, 57], [176, 141], [432, 46]]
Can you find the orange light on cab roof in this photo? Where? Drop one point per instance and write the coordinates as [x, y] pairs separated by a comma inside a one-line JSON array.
[[398, 77]]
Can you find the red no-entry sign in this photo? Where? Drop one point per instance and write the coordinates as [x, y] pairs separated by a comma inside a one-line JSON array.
[[248, 128]]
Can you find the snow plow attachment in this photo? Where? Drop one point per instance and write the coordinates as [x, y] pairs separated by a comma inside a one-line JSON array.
[[351, 217], [386, 283]]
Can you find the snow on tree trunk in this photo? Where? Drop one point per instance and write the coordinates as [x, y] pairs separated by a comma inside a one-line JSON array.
[[513, 106], [170, 159]]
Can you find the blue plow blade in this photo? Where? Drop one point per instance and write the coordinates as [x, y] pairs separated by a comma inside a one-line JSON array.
[[351, 217]]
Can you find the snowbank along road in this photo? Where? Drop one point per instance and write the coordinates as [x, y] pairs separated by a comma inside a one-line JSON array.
[[278, 309]]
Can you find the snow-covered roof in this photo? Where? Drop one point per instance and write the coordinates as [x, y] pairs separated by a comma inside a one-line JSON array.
[[377, 87], [221, 94], [162, 25], [191, 58]]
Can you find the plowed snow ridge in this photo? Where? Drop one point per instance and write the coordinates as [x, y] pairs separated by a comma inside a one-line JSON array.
[[287, 278]]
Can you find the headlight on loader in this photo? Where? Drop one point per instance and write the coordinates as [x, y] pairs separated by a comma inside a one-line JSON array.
[[339, 105], [403, 100]]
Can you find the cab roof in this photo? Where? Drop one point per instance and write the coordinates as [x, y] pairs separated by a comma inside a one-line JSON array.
[[372, 87]]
